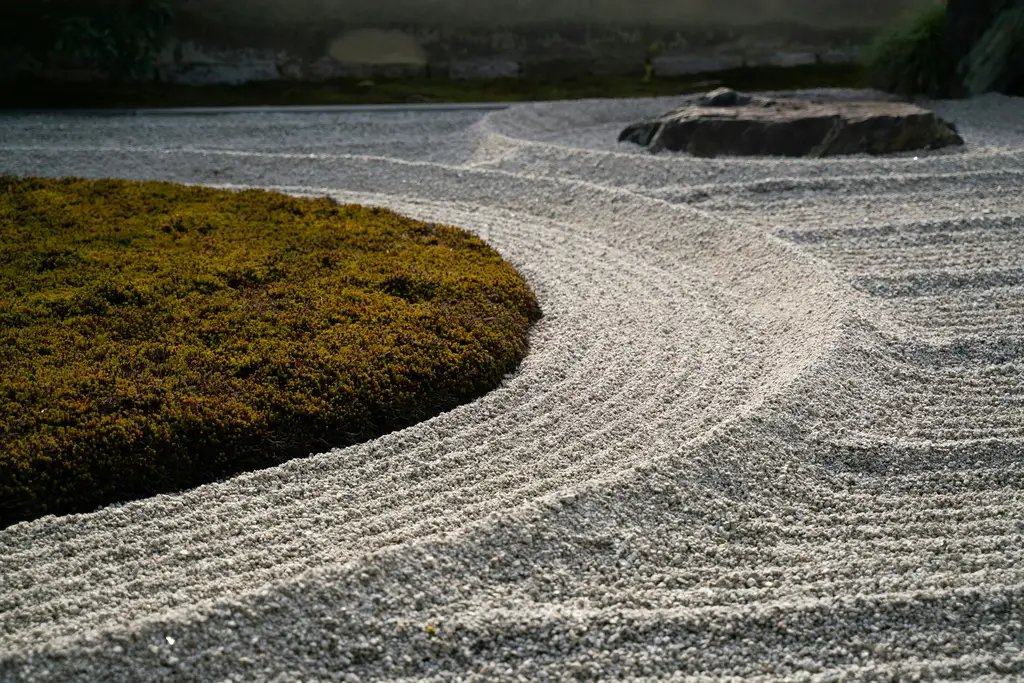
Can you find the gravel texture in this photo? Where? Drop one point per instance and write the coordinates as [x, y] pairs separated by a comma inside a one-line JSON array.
[[771, 427]]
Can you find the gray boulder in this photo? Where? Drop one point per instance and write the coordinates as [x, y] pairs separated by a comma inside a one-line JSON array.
[[724, 97], [726, 123]]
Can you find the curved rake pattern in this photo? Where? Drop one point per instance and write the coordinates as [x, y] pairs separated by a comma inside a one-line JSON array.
[[770, 426]]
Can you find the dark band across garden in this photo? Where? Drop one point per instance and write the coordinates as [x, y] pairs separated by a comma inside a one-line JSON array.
[[154, 337]]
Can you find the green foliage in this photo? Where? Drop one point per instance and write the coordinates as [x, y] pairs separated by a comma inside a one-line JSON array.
[[121, 38], [155, 337], [910, 58], [997, 59]]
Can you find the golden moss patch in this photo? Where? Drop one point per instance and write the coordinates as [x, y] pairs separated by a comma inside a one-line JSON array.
[[155, 337]]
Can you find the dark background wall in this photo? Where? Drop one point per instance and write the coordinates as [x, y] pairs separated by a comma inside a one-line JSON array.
[[235, 40], [503, 12], [831, 13]]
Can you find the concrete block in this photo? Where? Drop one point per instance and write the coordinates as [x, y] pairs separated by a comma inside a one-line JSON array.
[[482, 69], [793, 59], [849, 55], [682, 65], [189, 64]]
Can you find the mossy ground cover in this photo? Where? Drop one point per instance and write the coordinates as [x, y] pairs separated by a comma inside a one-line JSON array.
[[437, 90], [154, 337]]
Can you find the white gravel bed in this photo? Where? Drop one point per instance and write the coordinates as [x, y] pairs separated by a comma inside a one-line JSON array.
[[771, 426]]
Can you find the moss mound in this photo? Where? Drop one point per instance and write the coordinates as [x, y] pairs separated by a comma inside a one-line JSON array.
[[155, 337]]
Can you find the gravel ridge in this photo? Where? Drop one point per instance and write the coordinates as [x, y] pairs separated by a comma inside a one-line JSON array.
[[770, 427]]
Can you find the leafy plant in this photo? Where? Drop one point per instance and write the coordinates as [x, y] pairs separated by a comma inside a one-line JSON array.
[[910, 57], [997, 59], [121, 43]]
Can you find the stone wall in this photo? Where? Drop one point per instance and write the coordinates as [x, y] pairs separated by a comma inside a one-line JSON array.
[[274, 40], [499, 13], [542, 51]]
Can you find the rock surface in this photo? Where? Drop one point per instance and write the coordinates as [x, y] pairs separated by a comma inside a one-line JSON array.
[[727, 123]]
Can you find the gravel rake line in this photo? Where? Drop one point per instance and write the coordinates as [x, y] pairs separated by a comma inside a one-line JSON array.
[[720, 459]]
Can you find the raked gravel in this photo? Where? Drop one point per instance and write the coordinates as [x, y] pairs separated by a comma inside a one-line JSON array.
[[771, 426]]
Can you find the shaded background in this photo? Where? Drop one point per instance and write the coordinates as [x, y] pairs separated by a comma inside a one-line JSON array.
[[229, 41], [829, 13]]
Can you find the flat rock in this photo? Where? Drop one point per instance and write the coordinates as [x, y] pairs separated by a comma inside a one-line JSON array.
[[726, 123]]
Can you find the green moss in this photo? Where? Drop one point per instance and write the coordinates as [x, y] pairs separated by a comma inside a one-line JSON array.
[[155, 337]]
